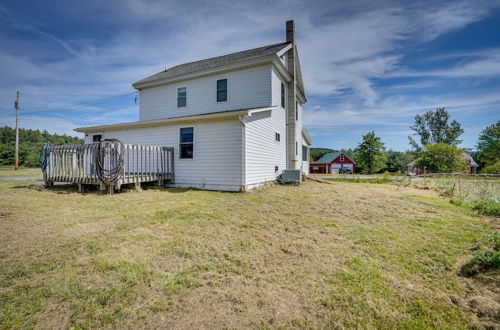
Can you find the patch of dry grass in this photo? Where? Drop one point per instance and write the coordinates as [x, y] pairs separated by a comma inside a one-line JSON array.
[[316, 255], [7, 171]]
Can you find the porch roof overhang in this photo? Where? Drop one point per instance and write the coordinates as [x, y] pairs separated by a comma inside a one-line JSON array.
[[236, 113]]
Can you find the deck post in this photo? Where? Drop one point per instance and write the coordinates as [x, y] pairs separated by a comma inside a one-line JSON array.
[[172, 171]]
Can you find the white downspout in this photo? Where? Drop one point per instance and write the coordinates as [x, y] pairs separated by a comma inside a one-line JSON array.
[[243, 155]]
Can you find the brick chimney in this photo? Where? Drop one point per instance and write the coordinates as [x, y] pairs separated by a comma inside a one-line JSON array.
[[290, 31]]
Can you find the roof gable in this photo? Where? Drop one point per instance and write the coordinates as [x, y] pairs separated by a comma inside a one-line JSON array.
[[330, 157], [213, 62]]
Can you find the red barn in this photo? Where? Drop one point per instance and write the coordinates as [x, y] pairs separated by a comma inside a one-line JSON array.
[[335, 162]]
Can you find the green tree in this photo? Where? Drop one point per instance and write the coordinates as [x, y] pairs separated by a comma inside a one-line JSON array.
[[493, 168], [317, 153], [488, 147], [441, 158], [30, 144], [370, 156], [396, 161], [433, 127]]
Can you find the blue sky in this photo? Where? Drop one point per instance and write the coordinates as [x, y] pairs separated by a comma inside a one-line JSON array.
[[367, 65]]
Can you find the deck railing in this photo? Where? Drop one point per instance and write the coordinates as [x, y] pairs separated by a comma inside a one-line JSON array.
[[108, 163]]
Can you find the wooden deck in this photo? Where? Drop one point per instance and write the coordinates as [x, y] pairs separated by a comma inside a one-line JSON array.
[[109, 164]]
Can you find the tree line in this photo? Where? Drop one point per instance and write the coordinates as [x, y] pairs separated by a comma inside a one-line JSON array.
[[30, 143], [435, 148]]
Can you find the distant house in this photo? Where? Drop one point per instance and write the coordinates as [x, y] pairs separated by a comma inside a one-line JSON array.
[[472, 165], [334, 162], [234, 121]]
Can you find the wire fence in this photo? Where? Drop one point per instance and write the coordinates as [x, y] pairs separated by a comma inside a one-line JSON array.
[[466, 187]]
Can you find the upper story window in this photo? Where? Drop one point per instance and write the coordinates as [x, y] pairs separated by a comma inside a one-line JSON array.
[[186, 142], [304, 153], [181, 97], [221, 90], [342, 157], [277, 137], [282, 95]]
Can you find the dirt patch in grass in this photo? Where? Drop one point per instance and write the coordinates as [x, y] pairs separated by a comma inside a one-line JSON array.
[[341, 255]]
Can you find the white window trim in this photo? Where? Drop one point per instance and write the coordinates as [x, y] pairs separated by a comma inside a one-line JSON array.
[[179, 143], [342, 158]]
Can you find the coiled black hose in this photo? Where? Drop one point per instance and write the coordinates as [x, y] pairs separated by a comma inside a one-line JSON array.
[[109, 148]]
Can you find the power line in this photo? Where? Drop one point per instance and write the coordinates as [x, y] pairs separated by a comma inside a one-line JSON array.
[[77, 106], [72, 107]]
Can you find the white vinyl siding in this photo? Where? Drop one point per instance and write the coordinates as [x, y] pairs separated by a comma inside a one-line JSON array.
[[263, 152], [276, 88], [217, 162], [247, 88]]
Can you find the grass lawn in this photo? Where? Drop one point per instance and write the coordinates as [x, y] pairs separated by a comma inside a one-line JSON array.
[[317, 255], [10, 172]]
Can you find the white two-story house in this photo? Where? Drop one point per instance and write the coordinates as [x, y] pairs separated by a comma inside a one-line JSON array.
[[235, 121]]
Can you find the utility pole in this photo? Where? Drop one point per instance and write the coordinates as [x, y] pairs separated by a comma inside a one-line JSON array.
[[16, 104]]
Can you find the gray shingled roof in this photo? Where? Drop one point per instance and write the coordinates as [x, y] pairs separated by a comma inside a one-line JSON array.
[[214, 62]]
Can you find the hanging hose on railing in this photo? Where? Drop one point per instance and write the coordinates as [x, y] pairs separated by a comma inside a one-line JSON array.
[[43, 160], [109, 160]]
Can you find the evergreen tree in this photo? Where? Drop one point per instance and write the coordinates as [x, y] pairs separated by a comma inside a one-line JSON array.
[[370, 156], [29, 146], [396, 161]]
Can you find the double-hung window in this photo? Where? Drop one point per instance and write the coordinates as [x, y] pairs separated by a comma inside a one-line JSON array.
[[186, 142], [221, 90], [304, 153], [181, 97], [341, 157], [282, 95]]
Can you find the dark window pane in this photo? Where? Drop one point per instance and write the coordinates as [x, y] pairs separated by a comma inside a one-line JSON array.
[[181, 97], [304, 153], [187, 135], [186, 150], [97, 138], [222, 84], [221, 96], [221, 90]]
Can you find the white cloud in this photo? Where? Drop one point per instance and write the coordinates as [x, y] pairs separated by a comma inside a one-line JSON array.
[[344, 47]]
